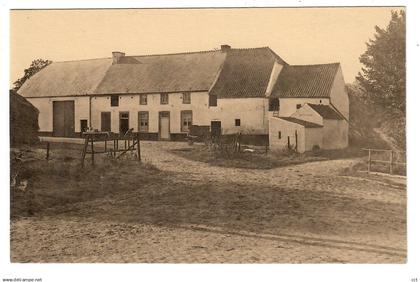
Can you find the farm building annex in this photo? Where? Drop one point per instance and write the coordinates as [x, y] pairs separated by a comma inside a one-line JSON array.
[[252, 91]]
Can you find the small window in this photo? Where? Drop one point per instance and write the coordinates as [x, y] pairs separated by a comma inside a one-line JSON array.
[[115, 100], [143, 99], [186, 98], [320, 101], [212, 100], [186, 120], [143, 121], [164, 98], [279, 134], [298, 106], [273, 104], [237, 122]]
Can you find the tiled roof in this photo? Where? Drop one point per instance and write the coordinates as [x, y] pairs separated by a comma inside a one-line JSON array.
[[66, 78], [304, 123], [245, 73], [305, 81], [163, 73], [326, 111]]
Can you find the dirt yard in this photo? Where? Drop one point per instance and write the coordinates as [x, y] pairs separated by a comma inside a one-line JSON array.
[[191, 212]]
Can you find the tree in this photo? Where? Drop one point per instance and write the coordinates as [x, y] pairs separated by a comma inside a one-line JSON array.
[[35, 67], [383, 74]]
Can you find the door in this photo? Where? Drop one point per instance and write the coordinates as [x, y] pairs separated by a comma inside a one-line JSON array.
[[63, 118], [124, 124], [216, 128], [83, 126], [164, 123], [106, 121]]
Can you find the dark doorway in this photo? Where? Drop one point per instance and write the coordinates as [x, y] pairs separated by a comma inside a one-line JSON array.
[[124, 122], [216, 128], [63, 118], [83, 125], [106, 121]]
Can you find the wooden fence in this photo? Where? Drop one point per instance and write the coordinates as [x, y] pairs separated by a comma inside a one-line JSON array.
[[388, 161]]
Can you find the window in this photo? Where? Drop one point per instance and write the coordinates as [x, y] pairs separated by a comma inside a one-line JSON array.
[[186, 120], [298, 106], [143, 121], [164, 98], [143, 99], [115, 100], [212, 101], [320, 101], [186, 98], [273, 104], [279, 134], [237, 122]]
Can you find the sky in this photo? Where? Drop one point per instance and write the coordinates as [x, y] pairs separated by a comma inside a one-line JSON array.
[[297, 35]]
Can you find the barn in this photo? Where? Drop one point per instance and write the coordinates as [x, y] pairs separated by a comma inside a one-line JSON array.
[[160, 96]]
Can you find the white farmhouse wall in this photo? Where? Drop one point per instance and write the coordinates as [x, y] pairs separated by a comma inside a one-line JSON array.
[[251, 111], [131, 104], [45, 107], [313, 137], [308, 114], [335, 134], [287, 129], [288, 106], [339, 96]]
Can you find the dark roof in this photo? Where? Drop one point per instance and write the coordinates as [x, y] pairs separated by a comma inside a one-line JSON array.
[[163, 73], [305, 81], [66, 78], [245, 73], [304, 123], [326, 111]]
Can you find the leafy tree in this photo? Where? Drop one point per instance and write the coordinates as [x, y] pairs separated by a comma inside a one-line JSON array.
[[383, 74], [35, 67]]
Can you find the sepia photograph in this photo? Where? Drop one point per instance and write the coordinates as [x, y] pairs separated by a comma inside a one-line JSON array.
[[258, 135]]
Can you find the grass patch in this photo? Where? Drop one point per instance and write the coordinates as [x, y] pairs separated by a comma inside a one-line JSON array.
[[258, 159], [55, 186], [247, 160]]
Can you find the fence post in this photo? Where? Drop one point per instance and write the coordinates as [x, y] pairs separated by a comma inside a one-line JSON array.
[[391, 162], [138, 147], [48, 151], [369, 161]]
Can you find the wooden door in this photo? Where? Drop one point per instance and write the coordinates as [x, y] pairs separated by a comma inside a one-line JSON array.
[[63, 118], [164, 126], [216, 128], [124, 122], [106, 121]]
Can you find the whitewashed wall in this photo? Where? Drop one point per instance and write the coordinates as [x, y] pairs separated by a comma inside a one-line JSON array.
[[287, 129], [335, 134], [45, 107], [251, 112], [339, 96]]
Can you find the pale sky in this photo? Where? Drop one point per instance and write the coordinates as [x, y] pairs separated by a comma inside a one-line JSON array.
[[298, 35]]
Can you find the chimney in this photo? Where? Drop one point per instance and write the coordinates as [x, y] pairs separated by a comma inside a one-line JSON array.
[[116, 56], [225, 47]]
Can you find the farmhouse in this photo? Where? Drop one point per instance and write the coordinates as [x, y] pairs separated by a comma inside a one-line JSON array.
[[249, 91]]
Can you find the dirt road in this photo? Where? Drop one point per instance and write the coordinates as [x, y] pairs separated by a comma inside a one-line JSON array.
[[305, 213]]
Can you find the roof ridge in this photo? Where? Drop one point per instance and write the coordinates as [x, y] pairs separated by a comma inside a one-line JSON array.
[[82, 60], [314, 65], [181, 53]]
